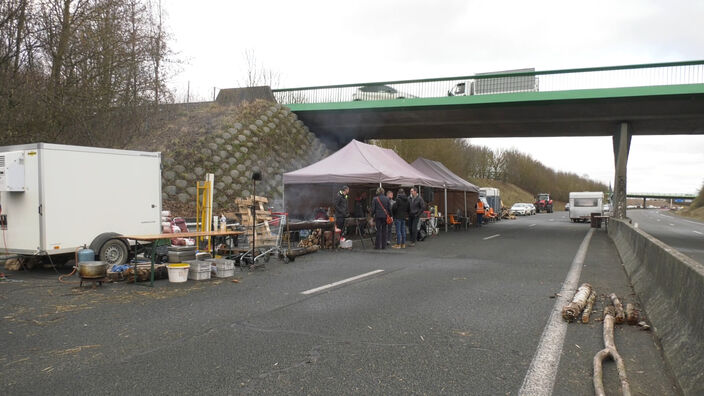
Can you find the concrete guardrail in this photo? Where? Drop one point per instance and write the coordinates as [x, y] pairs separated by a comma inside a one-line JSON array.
[[670, 286]]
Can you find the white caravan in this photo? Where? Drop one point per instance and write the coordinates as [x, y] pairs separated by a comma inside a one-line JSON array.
[[583, 204]]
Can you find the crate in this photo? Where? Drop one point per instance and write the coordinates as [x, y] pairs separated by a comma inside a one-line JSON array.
[[180, 257], [198, 265], [198, 275], [203, 256], [223, 268], [225, 273], [173, 248]]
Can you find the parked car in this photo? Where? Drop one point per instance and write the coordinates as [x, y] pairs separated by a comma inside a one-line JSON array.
[[531, 207], [567, 206], [607, 208], [519, 209], [379, 92]]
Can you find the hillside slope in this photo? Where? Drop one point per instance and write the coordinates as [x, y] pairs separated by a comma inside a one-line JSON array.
[[230, 142], [510, 193]]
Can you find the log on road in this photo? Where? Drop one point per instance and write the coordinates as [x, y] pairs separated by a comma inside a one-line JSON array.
[[572, 310]]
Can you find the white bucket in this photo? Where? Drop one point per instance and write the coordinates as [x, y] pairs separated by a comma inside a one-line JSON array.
[[178, 272]]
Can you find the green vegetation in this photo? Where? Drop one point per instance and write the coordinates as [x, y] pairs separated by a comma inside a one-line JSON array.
[[473, 162], [699, 200], [510, 194], [696, 209]]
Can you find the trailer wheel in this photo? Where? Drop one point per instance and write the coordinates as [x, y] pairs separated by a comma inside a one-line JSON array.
[[114, 251], [111, 248]]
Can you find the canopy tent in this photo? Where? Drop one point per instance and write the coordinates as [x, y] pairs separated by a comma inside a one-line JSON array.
[[439, 171], [450, 181], [361, 163]]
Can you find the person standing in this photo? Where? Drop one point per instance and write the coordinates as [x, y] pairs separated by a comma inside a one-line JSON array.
[[400, 213], [480, 212], [390, 196], [381, 209], [416, 208], [341, 208]]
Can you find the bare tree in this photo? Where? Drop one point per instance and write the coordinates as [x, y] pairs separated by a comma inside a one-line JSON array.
[[258, 75]]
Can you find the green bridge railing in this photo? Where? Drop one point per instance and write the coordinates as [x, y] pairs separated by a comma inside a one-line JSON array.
[[522, 80]]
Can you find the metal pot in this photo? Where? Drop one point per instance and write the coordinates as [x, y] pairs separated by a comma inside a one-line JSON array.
[[92, 269]]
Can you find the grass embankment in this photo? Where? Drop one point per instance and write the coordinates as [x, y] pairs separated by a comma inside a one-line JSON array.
[[696, 209], [510, 193], [697, 214]]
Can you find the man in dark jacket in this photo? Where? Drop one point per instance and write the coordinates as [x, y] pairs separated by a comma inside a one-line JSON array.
[[400, 213], [417, 206], [381, 208], [341, 208]]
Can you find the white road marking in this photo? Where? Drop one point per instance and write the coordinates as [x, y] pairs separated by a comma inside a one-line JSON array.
[[541, 374], [532, 225], [329, 285], [493, 236], [693, 222], [700, 233], [672, 225]]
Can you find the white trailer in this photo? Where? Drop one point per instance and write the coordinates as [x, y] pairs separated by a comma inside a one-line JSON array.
[[57, 198], [493, 198], [583, 204]]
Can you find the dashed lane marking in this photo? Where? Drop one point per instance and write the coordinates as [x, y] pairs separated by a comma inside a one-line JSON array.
[[532, 225], [540, 378], [700, 233], [493, 236], [352, 279]]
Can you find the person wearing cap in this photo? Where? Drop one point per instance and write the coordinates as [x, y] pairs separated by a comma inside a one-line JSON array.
[[341, 208]]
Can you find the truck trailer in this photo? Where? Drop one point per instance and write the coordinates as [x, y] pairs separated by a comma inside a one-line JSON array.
[[497, 85], [583, 204], [57, 198]]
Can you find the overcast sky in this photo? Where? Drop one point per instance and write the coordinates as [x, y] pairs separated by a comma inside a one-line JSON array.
[[330, 42]]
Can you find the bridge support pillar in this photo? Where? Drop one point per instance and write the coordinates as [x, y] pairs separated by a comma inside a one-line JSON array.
[[622, 144], [644, 203]]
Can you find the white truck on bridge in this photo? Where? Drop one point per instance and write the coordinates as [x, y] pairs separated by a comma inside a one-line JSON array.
[[484, 86], [583, 204], [57, 198]]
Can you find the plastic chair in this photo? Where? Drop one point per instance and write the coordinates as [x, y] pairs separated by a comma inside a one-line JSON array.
[[453, 222]]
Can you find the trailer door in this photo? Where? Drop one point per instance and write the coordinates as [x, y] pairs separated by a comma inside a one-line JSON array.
[[21, 209]]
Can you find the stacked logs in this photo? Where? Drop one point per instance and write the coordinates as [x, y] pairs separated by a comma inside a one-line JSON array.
[[314, 239]]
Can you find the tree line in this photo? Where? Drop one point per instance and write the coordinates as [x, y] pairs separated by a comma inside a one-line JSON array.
[[71, 68], [479, 162]]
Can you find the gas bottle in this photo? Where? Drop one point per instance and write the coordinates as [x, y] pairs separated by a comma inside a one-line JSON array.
[[86, 254]]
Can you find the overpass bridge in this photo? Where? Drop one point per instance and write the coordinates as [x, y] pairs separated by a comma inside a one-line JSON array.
[[617, 101], [652, 195]]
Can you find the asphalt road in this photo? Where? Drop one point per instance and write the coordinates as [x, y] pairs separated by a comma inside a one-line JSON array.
[[685, 235], [461, 313]]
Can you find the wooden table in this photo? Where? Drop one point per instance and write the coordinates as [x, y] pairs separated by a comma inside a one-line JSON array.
[[156, 238]]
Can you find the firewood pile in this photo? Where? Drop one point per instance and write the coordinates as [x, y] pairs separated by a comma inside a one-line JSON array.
[[506, 214], [143, 273], [314, 239]]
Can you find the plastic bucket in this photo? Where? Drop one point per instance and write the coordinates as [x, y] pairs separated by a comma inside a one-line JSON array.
[[178, 272]]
